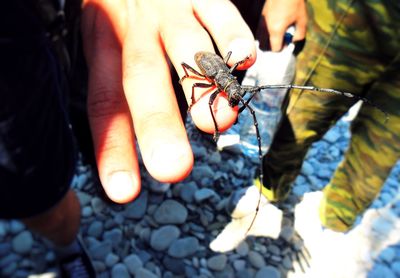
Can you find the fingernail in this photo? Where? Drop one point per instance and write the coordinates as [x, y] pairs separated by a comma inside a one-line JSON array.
[[121, 187]]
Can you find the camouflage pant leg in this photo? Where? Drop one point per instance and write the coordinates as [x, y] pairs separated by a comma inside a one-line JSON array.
[[374, 149], [337, 55]]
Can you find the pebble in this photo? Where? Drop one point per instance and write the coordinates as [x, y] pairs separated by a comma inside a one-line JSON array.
[[256, 259], [388, 255], [3, 228], [187, 192], [396, 268], [114, 236], [184, 247], [170, 212], [162, 238], [16, 227], [97, 205], [167, 230], [84, 198], [243, 248], [307, 169], [87, 212], [22, 243], [132, 263], [100, 250], [381, 271], [217, 262], [268, 271], [174, 265], [111, 259], [239, 265], [5, 248], [204, 194], [95, 229], [144, 273], [137, 208], [119, 271]]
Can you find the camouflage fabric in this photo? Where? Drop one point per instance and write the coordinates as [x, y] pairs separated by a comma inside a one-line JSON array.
[[353, 46]]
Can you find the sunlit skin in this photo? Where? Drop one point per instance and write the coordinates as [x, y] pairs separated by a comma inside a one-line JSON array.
[[131, 97], [279, 15]]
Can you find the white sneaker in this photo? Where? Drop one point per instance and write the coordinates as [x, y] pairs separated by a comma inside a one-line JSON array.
[[267, 222]]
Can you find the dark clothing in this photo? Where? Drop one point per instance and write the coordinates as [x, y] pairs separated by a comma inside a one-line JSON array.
[[37, 154]]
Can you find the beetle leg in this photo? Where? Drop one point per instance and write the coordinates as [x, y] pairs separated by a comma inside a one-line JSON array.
[[210, 103], [198, 85], [234, 66], [226, 59], [188, 69]]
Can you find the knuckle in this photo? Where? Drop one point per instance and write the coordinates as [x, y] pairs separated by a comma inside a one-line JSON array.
[[103, 103]]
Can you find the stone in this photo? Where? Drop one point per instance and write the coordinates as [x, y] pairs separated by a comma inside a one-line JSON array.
[[170, 212], [184, 247], [217, 262], [22, 243], [162, 238]]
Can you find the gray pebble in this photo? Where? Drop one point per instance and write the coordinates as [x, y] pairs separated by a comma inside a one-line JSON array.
[[175, 265], [95, 229], [307, 169], [100, 250], [99, 266], [5, 248], [79, 181], [158, 187], [268, 271], [9, 270], [114, 236], [144, 273], [202, 171], [287, 262], [381, 271], [239, 265], [388, 255], [170, 212], [87, 211], [97, 205], [111, 259], [243, 248], [396, 267], [133, 263], [287, 233], [217, 262], [9, 259], [22, 243], [16, 227], [184, 247], [256, 259], [84, 198], [187, 192], [3, 228], [204, 194], [162, 238], [332, 136], [119, 271], [137, 208]]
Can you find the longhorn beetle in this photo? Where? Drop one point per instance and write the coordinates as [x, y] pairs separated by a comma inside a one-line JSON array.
[[216, 73]]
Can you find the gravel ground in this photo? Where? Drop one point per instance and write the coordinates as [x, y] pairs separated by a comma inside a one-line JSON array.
[[167, 231]]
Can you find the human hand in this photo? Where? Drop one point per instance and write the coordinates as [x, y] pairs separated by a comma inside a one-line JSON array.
[[279, 15], [131, 97]]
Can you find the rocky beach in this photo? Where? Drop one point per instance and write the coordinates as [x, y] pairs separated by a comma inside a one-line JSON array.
[[167, 231]]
